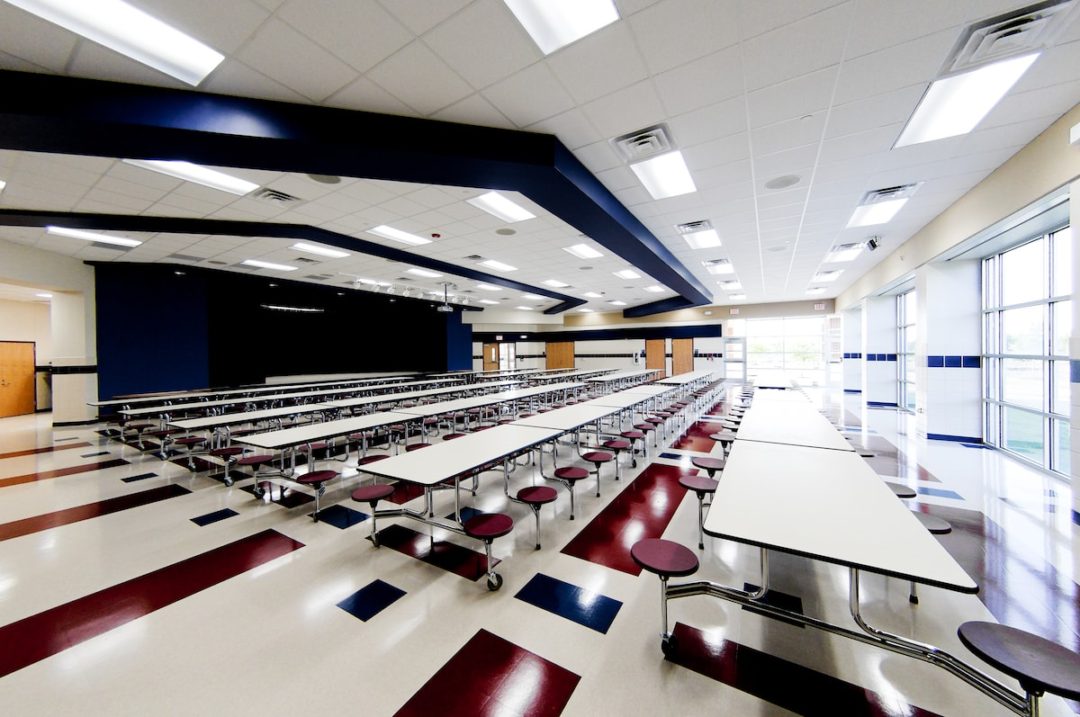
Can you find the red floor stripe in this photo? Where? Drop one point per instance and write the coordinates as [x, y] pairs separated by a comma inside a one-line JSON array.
[[46, 449], [61, 472], [37, 523], [45, 634], [697, 438], [642, 510], [491, 676], [451, 557], [776, 680]]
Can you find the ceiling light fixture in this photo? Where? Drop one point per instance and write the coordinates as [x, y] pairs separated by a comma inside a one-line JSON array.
[[719, 266], [655, 289], [617, 303], [534, 297], [737, 297], [92, 236], [585, 311], [196, 173], [593, 295], [497, 265], [488, 287], [815, 291], [488, 302], [44, 296], [524, 308], [826, 276], [556, 23], [555, 283], [583, 251], [499, 206], [707, 239], [397, 235], [627, 274], [298, 309], [665, 175], [372, 282], [131, 32], [258, 263], [843, 252], [732, 285], [2, 185], [319, 250], [955, 105], [879, 206], [424, 273]]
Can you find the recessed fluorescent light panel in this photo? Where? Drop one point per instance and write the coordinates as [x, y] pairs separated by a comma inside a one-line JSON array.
[[132, 32], [654, 289], [737, 297], [707, 239], [2, 185], [43, 296], [843, 252], [92, 236], [319, 250], [499, 206], [525, 308], [397, 235], [198, 174], [955, 105], [627, 274], [488, 287], [719, 266], [815, 291], [488, 302], [424, 273], [585, 311], [593, 295], [583, 251], [555, 284], [881, 205], [665, 175], [372, 282], [733, 285], [826, 276], [556, 23], [497, 265], [617, 303], [258, 263], [297, 309], [534, 297]]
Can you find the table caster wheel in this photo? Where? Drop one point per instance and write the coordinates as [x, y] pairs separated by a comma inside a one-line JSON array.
[[494, 582]]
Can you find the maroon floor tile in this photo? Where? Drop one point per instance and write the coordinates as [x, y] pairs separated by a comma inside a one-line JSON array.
[[404, 492], [642, 510], [783, 683], [451, 557], [45, 634], [46, 449], [61, 472], [37, 523], [281, 494], [697, 438], [491, 676]]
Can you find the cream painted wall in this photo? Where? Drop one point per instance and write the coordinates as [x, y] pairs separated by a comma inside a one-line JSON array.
[[27, 321]]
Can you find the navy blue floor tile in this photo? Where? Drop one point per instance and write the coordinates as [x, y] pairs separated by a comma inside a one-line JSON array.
[[939, 492], [341, 517], [204, 520], [593, 610], [672, 456], [92, 455], [466, 513], [370, 600], [141, 476]]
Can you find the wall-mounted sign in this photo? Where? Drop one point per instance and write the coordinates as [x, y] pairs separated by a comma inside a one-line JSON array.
[[733, 312], [819, 307], [498, 337]]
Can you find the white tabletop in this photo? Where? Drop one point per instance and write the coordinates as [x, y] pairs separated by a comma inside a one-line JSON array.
[[773, 381], [827, 505], [624, 375], [650, 390], [406, 395], [489, 399], [232, 419], [250, 390], [321, 431], [447, 459], [568, 418], [619, 399], [685, 378], [791, 423]]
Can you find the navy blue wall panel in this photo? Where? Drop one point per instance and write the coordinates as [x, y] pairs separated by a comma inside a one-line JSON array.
[[458, 343]]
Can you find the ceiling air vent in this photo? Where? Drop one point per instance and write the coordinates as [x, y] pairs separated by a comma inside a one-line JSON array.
[[1015, 33], [693, 227], [644, 143], [887, 194], [272, 195]]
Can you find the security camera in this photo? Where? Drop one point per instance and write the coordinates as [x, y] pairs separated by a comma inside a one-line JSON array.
[[873, 243]]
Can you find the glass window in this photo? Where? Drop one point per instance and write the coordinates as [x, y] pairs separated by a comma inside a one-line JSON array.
[[795, 346], [1023, 274], [1062, 262], [1022, 382], [1061, 447], [906, 331], [1022, 331], [1024, 433], [1062, 311]]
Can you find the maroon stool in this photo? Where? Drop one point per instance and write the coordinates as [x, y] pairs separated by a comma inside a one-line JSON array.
[[569, 476], [162, 435], [228, 454], [415, 447], [936, 526], [725, 439], [189, 442], [452, 436], [372, 494], [487, 527], [900, 490], [635, 435], [646, 428], [535, 497], [318, 479], [598, 458], [255, 462], [711, 465], [702, 486], [665, 559], [617, 446]]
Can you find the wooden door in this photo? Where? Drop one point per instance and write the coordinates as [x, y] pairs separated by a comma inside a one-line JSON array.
[[656, 355], [560, 354], [682, 356], [16, 378], [491, 357]]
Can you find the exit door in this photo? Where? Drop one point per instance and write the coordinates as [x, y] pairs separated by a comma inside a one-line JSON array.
[[16, 378], [499, 357]]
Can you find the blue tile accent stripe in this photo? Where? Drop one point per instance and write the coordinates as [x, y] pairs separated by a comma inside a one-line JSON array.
[[853, 355], [204, 520], [1074, 371], [953, 361], [957, 439], [370, 600], [1076, 517], [939, 493], [881, 404], [881, 357], [852, 390], [593, 610]]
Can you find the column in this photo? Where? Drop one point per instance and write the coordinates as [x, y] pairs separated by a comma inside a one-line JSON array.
[[879, 351], [1074, 351], [948, 351], [74, 373], [851, 346]]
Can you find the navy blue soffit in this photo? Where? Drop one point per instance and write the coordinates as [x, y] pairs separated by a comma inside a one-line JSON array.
[[43, 113]]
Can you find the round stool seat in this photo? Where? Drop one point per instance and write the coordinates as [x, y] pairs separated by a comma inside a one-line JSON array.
[[316, 477], [481, 428], [397, 427], [372, 493], [654, 420], [617, 444], [371, 458], [708, 464], [633, 435], [256, 461], [537, 495], [452, 436], [488, 526], [139, 426], [504, 421], [163, 432], [1037, 663], [226, 451], [598, 457], [901, 490], [316, 446], [664, 557], [699, 484], [430, 421], [723, 436], [645, 427], [415, 447], [663, 414], [571, 473], [934, 524], [526, 415], [190, 441]]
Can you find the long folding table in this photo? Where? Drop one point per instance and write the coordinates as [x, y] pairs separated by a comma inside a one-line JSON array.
[[620, 378], [353, 403], [792, 421]]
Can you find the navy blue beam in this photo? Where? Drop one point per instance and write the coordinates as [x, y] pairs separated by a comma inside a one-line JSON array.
[[658, 307], [45, 113], [225, 227]]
